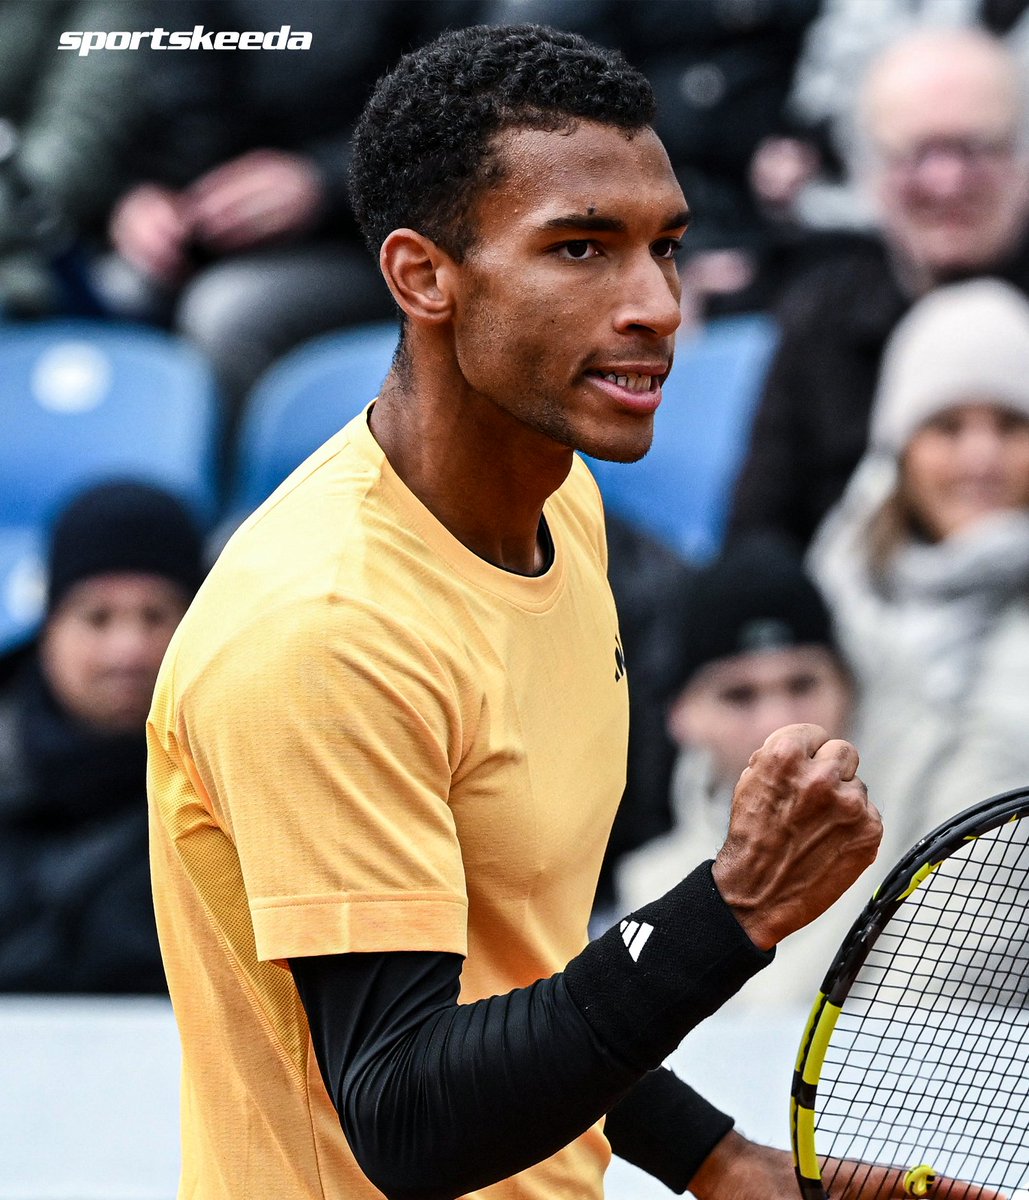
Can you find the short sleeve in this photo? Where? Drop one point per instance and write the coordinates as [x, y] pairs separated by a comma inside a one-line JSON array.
[[327, 741]]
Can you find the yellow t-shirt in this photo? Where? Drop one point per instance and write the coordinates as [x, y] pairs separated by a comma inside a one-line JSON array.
[[366, 738]]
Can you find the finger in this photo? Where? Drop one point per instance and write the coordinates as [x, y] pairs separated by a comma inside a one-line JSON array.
[[808, 738], [849, 1180], [842, 754]]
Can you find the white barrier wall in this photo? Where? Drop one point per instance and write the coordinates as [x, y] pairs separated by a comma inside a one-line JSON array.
[[89, 1095]]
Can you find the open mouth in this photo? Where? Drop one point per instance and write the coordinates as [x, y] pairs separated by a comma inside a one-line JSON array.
[[631, 381]]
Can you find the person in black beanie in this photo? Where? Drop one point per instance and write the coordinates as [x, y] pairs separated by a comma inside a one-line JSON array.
[[76, 913], [758, 651]]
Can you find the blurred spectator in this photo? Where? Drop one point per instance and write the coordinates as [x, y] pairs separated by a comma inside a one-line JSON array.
[[65, 124], [237, 228], [648, 582], [721, 72], [925, 562], [946, 152], [76, 913], [758, 652], [817, 179]]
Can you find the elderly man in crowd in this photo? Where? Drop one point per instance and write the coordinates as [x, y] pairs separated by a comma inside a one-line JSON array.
[[945, 150]]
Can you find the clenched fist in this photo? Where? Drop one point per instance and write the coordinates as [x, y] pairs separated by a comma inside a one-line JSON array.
[[800, 832]]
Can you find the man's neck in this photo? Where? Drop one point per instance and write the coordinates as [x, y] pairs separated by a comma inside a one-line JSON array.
[[482, 474]]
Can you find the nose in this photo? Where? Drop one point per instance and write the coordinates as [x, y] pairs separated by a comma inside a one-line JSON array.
[[943, 173], [980, 449], [779, 708], [130, 645], [650, 298]]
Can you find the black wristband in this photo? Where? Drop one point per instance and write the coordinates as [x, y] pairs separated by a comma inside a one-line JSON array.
[[665, 1128], [651, 978]]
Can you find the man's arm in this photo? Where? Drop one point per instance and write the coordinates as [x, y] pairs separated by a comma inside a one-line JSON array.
[[666, 1129], [438, 1098]]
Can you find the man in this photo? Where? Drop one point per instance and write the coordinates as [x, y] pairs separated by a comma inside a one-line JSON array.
[[388, 740], [75, 907], [945, 151]]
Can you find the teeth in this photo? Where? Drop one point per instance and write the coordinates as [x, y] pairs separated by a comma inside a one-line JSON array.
[[635, 383]]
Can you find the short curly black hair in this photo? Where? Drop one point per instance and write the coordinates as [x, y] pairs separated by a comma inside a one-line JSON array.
[[425, 143]]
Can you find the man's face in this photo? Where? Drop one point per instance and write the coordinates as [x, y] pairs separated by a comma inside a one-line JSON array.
[[102, 647], [951, 184], [569, 297], [732, 705]]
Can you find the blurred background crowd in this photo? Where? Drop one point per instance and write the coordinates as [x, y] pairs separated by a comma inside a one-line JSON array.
[[833, 525]]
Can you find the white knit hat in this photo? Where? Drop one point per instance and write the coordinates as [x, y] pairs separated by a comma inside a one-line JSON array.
[[967, 341]]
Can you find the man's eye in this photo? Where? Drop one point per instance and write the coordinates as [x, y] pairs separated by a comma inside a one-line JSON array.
[[580, 249], [666, 247]]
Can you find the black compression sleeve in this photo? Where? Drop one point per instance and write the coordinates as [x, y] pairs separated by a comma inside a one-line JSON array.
[[438, 1098]]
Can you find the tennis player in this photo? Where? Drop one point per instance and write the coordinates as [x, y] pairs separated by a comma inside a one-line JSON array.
[[388, 740]]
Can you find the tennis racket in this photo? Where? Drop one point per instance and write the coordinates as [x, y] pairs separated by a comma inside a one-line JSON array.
[[916, 1053]]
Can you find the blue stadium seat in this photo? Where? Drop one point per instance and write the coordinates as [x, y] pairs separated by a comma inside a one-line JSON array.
[[21, 584], [303, 399], [680, 491], [83, 400]]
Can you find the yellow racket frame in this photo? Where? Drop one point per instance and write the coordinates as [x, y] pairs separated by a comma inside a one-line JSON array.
[[905, 878]]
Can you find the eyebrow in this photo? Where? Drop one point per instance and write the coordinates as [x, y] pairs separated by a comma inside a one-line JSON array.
[[586, 221]]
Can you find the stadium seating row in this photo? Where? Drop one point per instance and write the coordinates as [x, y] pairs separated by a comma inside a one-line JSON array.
[[83, 400]]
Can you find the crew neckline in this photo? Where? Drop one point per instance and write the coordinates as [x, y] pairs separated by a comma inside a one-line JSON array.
[[532, 592]]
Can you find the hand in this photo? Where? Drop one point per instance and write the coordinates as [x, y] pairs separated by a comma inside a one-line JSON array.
[[259, 197], [780, 168], [150, 229], [738, 1169], [801, 831]]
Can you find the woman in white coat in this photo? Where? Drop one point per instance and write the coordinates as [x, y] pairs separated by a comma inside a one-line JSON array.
[[925, 564]]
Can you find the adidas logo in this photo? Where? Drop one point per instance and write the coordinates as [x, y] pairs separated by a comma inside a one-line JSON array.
[[634, 935]]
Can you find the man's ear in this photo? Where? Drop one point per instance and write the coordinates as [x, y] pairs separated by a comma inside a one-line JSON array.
[[419, 274]]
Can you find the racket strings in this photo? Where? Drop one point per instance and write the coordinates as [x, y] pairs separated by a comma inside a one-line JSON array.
[[929, 1061]]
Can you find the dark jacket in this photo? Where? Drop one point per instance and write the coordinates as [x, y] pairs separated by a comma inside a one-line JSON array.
[[648, 581], [811, 426], [76, 913], [205, 109]]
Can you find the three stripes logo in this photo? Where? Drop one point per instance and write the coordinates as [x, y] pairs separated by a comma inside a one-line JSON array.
[[634, 935], [619, 659]]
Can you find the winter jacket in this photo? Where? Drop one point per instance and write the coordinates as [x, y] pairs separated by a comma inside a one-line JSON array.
[[939, 644], [76, 913]]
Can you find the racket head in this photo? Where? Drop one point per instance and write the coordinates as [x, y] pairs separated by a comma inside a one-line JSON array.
[[927, 994]]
